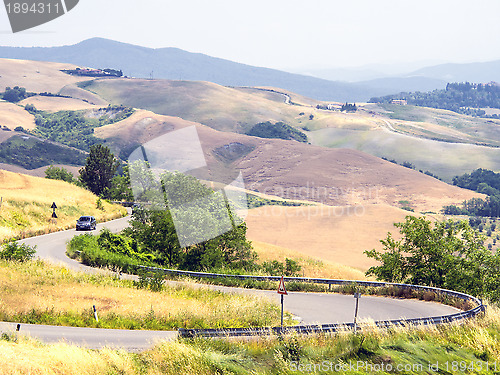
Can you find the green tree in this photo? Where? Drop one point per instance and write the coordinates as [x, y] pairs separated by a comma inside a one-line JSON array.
[[99, 170], [229, 250], [197, 210], [120, 187], [15, 94], [154, 230], [59, 173], [447, 254]]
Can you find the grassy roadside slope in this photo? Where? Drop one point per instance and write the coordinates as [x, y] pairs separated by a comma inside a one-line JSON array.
[[26, 202], [472, 347], [39, 293]]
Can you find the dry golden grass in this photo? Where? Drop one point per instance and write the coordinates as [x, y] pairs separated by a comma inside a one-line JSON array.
[[36, 76], [26, 205], [27, 356], [342, 177], [43, 287], [12, 116], [141, 127], [38, 172], [226, 108], [342, 120], [474, 341], [54, 104], [76, 92], [330, 234], [311, 267]]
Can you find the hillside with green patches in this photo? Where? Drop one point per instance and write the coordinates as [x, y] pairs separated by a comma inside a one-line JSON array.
[[31, 153], [465, 98], [442, 142], [76, 128], [222, 108], [278, 130]]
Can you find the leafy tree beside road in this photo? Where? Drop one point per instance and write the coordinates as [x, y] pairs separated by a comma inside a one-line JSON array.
[[446, 254], [153, 235], [155, 229], [99, 170]]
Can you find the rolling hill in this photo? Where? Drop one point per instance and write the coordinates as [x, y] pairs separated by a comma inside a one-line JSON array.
[[36, 76], [176, 64], [453, 143], [54, 104], [271, 163], [356, 192], [364, 188], [223, 108], [12, 116], [295, 170]]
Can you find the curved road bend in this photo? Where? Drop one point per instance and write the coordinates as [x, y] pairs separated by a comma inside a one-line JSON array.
[[309, 308]]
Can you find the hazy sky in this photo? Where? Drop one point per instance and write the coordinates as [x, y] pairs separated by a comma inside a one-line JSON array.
[[285, 34]]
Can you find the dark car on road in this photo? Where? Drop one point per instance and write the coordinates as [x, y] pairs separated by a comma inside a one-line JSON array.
[[86, 223]]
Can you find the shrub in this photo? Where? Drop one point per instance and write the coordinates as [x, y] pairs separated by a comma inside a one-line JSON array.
[[278, 130], [17, 252], [99, 205], [88, 248], [276, 268], [56, 173], [150, 280]]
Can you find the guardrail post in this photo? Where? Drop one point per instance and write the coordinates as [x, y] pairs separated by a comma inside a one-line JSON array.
[[282, 291], [357, 296], [282, 297]]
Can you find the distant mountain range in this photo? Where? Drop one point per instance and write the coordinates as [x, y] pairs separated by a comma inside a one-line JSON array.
[[177, 64], [482, 72]]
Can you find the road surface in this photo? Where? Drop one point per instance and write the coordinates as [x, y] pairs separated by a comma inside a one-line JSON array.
[[308, 308]]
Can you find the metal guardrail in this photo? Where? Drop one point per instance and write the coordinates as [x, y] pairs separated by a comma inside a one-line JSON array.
[[328, 328], [307, 329]]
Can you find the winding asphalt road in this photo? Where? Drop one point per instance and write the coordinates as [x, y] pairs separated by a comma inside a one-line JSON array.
[[308, 308]]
